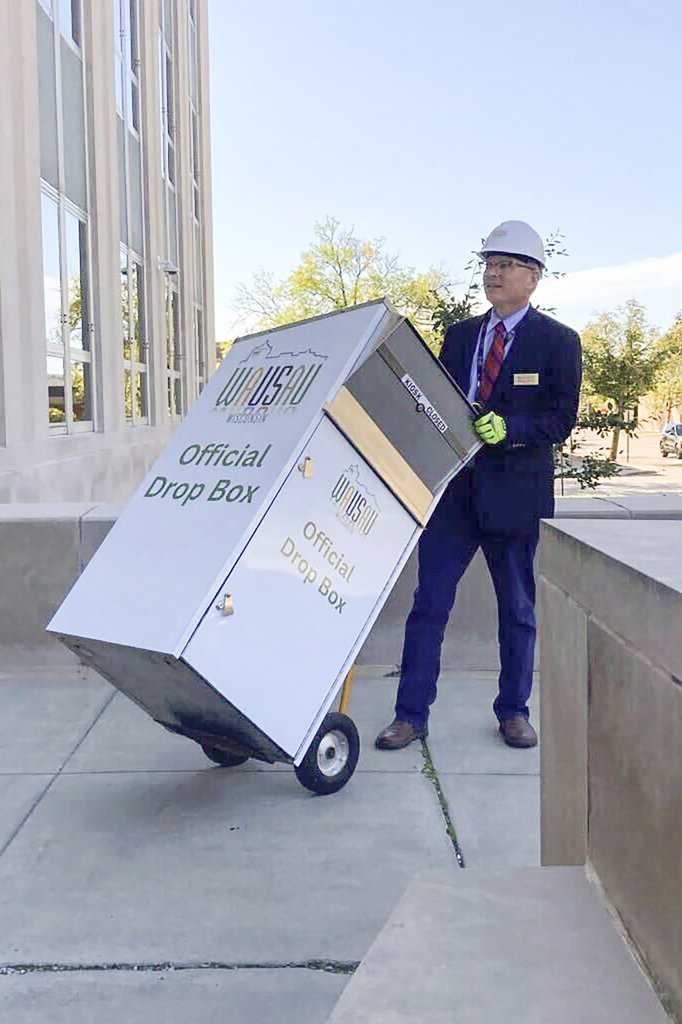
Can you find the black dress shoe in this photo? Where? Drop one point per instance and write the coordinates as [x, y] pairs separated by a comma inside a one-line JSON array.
[[397, 735], [518, 732]]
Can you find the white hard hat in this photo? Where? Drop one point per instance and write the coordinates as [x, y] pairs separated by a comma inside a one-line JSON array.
[[517, 238]]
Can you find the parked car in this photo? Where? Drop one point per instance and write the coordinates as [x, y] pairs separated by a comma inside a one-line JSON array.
[[671, 440]]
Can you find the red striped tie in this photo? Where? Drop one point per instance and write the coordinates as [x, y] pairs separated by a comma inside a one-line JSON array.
[[493, 363]]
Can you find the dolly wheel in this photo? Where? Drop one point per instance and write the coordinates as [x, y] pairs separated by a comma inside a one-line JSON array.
[[225, 758], [332, 756]]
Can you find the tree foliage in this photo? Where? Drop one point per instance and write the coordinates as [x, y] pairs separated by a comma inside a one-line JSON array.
[[337, 270], [666, 393], [590, 470], [620, 360]]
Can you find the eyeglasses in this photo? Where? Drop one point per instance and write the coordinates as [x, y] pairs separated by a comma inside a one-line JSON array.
[[503, 266]]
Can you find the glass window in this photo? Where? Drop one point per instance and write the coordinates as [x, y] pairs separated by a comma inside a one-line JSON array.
[[199, 348], [67, 316], [136, 303], [51, 275], [53, 311], [81, 390], [70, 20], [118, 56], [127, 62], [78, 316], [134, 105], [118, 24], [136, 377], [167, 132], [118, 83], [77, 282], [134, 44], [173, 352], [167, 110], [125, 305], [68, 328], [56, 389], [141, 409]]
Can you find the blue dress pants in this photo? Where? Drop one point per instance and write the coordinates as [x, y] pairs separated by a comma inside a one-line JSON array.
[[446, 548]]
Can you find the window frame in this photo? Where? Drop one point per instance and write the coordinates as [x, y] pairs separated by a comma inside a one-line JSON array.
[[175, 384], [127, 65], [65, 205], [134, 266], [68, 353]]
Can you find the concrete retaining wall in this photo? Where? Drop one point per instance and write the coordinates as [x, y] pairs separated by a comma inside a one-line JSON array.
[[471, 637], [610, 609], [43, 547]]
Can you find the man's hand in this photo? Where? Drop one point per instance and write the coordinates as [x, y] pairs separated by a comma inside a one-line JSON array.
[[491, 428]]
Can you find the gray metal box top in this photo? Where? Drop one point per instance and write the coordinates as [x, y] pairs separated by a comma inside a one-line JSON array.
[[417, 406]]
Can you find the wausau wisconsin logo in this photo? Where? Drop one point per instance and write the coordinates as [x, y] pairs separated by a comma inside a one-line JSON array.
[[356, 507], [267, 382]]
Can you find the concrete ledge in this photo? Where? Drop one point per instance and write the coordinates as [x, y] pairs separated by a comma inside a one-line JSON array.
[[43, 548], [39, 562], [471, 637], [610, 597], [81, 465], [529, 946], [470, 640]]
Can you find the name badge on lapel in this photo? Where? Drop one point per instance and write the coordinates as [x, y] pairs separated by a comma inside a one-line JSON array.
[[526, 378]]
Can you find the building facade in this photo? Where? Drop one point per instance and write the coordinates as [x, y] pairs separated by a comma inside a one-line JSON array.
[[106, 263]]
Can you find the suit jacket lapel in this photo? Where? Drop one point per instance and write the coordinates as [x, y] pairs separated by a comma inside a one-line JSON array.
[[476, 324]]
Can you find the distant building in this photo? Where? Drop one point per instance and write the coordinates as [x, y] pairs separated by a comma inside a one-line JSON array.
[[106, 280]]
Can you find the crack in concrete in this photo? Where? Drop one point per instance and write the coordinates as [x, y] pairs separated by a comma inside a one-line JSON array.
[[41, 796], [429, 770], [328, 966]]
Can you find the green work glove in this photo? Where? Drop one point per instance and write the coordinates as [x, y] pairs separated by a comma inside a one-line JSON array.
[[491, 428]]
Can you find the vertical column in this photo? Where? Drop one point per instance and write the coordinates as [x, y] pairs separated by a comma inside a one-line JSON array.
[[184, 195], [104, 214], [206, 183], [153, 205], [22, 328]]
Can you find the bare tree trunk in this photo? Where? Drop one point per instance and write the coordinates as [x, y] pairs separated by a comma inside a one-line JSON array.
[[614, 444]]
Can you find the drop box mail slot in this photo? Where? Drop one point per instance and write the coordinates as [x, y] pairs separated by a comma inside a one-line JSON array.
[[419, 411]]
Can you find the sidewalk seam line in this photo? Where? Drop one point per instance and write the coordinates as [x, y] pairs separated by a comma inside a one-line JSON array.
[[429, 770], [87, 732], [326, 965], [28, 814], [55, 776]]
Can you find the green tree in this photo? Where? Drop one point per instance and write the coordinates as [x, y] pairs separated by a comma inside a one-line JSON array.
[[620, 360], [337, 270], [667, 390]]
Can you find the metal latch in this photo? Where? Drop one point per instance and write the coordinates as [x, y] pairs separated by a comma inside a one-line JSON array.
[[226, 605], [306, 467]]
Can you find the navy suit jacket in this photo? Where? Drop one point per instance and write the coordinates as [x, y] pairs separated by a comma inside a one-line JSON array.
[[510, 486]]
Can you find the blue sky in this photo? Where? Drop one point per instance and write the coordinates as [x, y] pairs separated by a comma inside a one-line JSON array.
[[427, 122]]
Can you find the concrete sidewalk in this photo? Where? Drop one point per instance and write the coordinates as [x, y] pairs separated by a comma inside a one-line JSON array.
[[140, 882]]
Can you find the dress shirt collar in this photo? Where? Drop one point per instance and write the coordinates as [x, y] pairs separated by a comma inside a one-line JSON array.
[[511, 321]]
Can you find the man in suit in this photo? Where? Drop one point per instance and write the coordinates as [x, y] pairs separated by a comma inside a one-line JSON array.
[[521, 371]]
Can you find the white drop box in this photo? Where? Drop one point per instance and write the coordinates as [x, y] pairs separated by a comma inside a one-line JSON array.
[[232, 595]]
